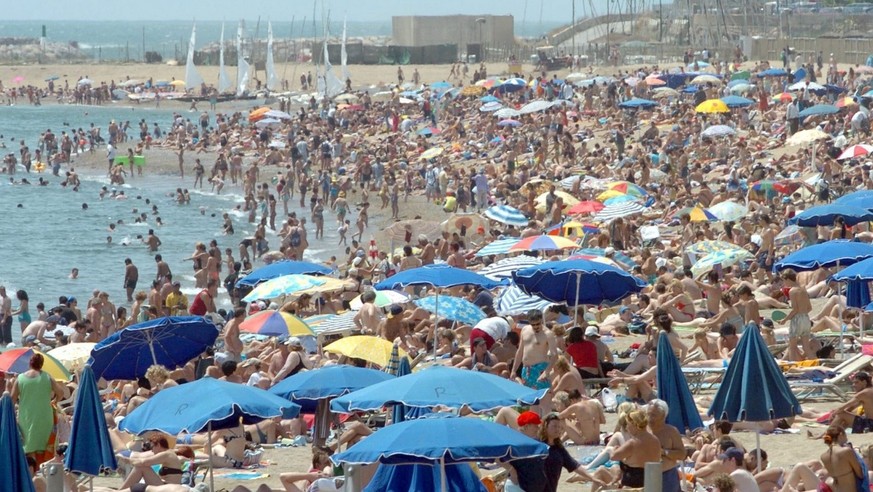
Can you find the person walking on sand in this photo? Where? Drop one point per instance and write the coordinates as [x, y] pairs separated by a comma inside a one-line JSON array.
[[535, 352], [798, 317], [33, 391]]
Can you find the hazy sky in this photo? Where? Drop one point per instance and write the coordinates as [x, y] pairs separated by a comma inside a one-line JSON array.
[[364, 10]]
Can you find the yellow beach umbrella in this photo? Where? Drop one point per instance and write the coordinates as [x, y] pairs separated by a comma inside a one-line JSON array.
[[473, 90], [178, 83], [368, 348], [73, 356], [712, 106], [17, 360], [569, 200], [606, 195], [431, 153]]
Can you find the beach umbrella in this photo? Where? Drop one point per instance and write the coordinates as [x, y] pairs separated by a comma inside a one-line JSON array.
[[772, 72], [17, 361], [428, 131], [170, 341], [632, 81], [846, 102], [283, 286], [586, 207], [473, 90], [382, 96], [431, 153], [789, 236], [544, 242], [13, 463], [328, 324], [258, 114], [712, 106], [785, 97], [771, 187], [507, 113], [723, 258], [622, 259], [860, 271], [383, 298], [673, 389], [459, 477], [575, 77], [827, 214], [72, 356], [838, 252], [535, 106], [452, 308], [856, 195], [600, 259], [265, 122], [507, 215], [719, 131], [705, 79], [178, 83], [619, 199], [653, 80], [276, 114], [509, 123], [568, 199], [805, 137], [503, 269], [90, 449], [442, 440], [578, 282], [440, 386], [612, 212], [728, 211], [346, 98], [282, 268], [441, 85], [627, 188], [742, 75], [464, 224], [637, 103], [804, 84], [512, 301], [857, 295], [512, 85], [855, 151], [365, 347], [489, 98], [741, 89], [660, 92], [706, 247], [697, 214], [497, 247], [409, 230], [754, 388], [206, 405], [488, 83], [328, 382], [84, 82], [440, 276], [273, 323], [572, 226], [819, 110]]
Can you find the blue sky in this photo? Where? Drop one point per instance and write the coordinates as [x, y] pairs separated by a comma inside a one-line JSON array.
[[363, 10]]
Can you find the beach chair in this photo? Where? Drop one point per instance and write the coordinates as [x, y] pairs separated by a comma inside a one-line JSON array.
[[811, 389]]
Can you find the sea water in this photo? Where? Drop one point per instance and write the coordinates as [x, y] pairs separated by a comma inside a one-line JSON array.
[[51, 233]]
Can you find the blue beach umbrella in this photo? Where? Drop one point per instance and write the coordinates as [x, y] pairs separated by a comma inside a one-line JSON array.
[[772, 72], [169, 341], [862, 270], [424, 478], [90, 448], [578, 282], [754, 388], [838, 252], [861, 198], [13, 463], [328, 382], [489, 98], [857, 293], [439, 385], [637, 103], [507, 215], [282, 268], [512, 85], [827, 214], [673, 389], [453, 308], [819, 109], [442, 276], [441, 85]]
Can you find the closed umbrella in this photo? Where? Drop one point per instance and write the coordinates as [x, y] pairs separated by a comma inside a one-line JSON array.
[[13, 463], [507, 215], [825, 255], [458, 477], [452, 308], [673, 389], [90, 449], [754, 388], [827, 214], [169, 341]]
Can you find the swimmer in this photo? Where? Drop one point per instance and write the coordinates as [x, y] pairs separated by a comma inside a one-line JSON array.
[[121, 196], [111, 227], [74, 274], [84, 206], [108, 240], [20, 206]]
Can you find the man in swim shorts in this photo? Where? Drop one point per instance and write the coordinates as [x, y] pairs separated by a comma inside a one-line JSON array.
[[798, 317], [535, 352]]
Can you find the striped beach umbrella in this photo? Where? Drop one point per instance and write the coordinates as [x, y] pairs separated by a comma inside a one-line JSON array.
[[284, 285], [728, 211], [498, 247], [627, 188], [586, 207], [544, 242], [383, 298], [512, 300], [275, 323], [453, 308], [855, 151], [697, 214], [723, 258], [613, 212], [503, 269], [506, 215], [328, 324], [17, 361]]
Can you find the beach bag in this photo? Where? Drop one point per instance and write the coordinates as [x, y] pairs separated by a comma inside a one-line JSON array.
[[294, 240], [609, 400]]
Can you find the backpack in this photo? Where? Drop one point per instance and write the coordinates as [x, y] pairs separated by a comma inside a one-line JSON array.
[[294, 239]]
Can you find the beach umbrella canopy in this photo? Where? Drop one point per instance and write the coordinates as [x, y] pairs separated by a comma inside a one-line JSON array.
[[497, 247], [627, 188], [365, 347], [728, 211], [265, 122], [653, 80], [535, 106], [661, 92], [169, 341], [442, 276], [697, 214], [805, 137], [512, 85], [705, 79], [723, 258], [283, 286], [846, 102], [754, 388], [568, 199], [712, 106], [741, 89], [464, 224], [506, 215], [804, 84], [578, 282], [615, 200], [442, 438], [616, 255], [827, 214], [328, 382], [440, 386], [282, 268], [507, 113], [862, 270], [72, 355], [818, 110], [510, 123], [544, 242], [428, 131], [855, 151], [17, 361], [332, 323], [772, 72], [453, 308], [673, 389], [276, 114], [13, 462], [274, 323], [719, 131], [512, 300], [856, 195], [586, 207], [503, 269], [612, 212], [383, 298], [837, 252], [637, 103], [90, 448], [459, 477], [706, 247], [789, 236]]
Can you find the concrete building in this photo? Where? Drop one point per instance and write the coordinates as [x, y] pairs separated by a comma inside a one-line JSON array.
[[468, 32]]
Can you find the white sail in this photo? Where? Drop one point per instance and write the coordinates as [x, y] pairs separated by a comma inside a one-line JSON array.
[[344, 56], [272, 78], [224, 84], [328, 84], [242, 66], [192, 78]]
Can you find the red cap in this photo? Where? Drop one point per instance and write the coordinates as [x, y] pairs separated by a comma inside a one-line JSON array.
[[528, 418]]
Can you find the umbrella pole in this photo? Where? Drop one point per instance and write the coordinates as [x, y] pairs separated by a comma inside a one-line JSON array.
[[209, 443], [443, 484], [758, 451], [576, 306], [436, 320]]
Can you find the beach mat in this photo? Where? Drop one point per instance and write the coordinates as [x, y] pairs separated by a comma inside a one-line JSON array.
[[238, 475]]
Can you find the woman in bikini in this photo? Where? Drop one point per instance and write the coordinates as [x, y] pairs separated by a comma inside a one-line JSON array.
[[170, 461], [641, 448], [681, 306], [843, 463], [199, 258], [230, 449]]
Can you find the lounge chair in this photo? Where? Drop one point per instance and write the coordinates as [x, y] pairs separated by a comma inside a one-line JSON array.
[[811, 389]]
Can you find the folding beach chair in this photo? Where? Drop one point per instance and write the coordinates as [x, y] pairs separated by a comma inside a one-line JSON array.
[[811, 389]]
